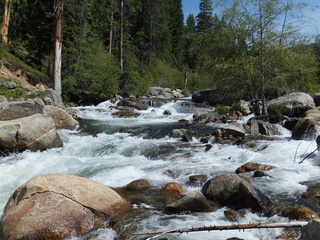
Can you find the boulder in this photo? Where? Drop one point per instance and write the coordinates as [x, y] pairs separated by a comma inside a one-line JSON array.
[[139, 185], [133, 103], [20, 109], [57, 206], [234, 215], [252, 166], [234, 129], [316, 99], [299, 213], [204, 117], [36, 132], [233, 191], [197, 180], [61, 118], [305, 128], [311, 231], [173, 188], [268, 129], [54, 96], [185, 134], [193, 202], [295, 104], [312, 194]]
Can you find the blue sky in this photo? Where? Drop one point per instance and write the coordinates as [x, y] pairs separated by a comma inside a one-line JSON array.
[[311, 26]]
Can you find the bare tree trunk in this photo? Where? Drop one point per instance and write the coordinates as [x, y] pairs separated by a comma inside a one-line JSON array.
[[186, 77], [6, 20], [111, 30], [121, 33], [58, 9]]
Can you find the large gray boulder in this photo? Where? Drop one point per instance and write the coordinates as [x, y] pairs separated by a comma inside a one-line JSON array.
[[57, 206], [54, 96], [61, 118], [20, 109], [311, 231], [233, 191], [295, 104], [35, 132]]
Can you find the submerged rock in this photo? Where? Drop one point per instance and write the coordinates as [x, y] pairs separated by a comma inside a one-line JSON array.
[[56, 206]]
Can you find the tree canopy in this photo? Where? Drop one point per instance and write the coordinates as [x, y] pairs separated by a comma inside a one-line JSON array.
[[245, 49]]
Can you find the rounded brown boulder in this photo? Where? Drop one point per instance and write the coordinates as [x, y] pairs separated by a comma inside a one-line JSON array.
[[56, 206]]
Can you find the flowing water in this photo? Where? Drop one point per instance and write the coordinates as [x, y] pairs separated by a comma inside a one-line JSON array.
[[116, 151]]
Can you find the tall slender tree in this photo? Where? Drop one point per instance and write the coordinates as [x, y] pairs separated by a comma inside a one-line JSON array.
[[205, 16], [58, 10], [6, 20]]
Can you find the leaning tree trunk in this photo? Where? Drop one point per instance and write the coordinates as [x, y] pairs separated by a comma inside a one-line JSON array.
[[6, 20], [58, 10]]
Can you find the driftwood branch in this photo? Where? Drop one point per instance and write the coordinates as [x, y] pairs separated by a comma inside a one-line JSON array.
[[308, 155], [229, 227]]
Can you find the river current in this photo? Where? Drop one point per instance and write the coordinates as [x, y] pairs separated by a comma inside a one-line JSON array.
[[116, 151]]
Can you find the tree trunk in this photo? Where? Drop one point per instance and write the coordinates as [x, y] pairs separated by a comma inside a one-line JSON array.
[[121, 33], [6, 20], [111, 30], [58, 9]]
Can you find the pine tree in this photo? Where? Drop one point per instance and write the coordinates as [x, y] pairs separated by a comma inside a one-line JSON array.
[[205, 18]]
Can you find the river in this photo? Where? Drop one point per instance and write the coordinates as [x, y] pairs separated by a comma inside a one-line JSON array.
[[116, 151]]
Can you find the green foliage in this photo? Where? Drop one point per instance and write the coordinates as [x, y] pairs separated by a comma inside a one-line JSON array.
[[221, 110], [95, 76], [236, 106], [277, 110], [164, 75]]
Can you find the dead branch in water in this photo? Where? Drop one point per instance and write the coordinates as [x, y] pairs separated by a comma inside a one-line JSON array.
[[308, 155], [229, 227]]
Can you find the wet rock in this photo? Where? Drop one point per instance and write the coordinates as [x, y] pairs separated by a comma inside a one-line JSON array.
[[313, 193], [268, 129], [311, 231], [287, 234], [184, 134], [252, 166], [260, 174], [139, 185], [316, 99], [61, 118], [124, 114], [197, 180], [233, 191], [57, 206], [167, 112], [204, 117], [35, 132], [305, 128], [133, 103], [193, 201], [234, 129], [20, 109], [208, 147], [299, 213], [295, 104], [173, 188], [234, 215], [290, 123]]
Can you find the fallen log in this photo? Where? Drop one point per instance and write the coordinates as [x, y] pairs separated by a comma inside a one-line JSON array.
[[229, 227]]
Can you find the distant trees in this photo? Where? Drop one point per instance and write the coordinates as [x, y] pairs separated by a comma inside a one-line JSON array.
[[245, 49]]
